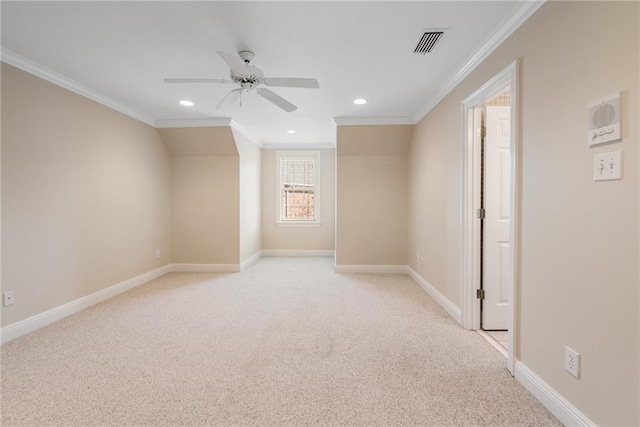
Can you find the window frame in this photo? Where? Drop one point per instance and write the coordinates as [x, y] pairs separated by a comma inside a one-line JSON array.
[[314, 155]]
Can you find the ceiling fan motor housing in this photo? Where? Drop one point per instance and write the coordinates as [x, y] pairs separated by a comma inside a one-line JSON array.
[[246, 55], [254, 75]]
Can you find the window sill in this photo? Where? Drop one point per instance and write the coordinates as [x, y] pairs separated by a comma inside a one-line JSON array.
[[298, 224]]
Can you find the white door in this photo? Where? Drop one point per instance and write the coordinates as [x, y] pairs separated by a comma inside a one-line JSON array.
[[496, 259]]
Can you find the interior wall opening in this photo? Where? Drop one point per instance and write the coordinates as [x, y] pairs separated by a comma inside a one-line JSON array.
[[490, 217]]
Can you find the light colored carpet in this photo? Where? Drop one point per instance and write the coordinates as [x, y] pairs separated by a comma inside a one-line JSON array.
[[285, 342]]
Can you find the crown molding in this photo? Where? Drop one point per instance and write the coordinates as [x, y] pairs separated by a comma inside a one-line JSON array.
[[367, 121], [210, 122], [193, 123], [44, 73], [509, 26], [525, 11], [235, 126]]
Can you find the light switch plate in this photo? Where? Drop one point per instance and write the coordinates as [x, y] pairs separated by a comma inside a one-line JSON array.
[[607, 166]]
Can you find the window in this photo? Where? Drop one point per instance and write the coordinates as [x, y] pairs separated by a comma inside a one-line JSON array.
[[298, 190]]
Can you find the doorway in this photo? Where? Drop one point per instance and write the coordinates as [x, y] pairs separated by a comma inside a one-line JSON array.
[[489, 200], [494, 230]]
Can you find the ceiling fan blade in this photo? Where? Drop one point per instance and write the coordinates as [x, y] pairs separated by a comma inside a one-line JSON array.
[[197, 81], [291, 82], [235, 63], [276, 99], [228, 100]]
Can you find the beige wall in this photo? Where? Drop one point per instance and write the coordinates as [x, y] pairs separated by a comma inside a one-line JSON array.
[[371, 195], [250, 196], [85, 196], [205, 188], [203, 141], [434, 179], [298, 238], [578, 277], [205, 210]]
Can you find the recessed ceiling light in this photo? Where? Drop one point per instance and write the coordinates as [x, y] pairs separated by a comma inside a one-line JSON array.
[[186, 103], [359, 101], [291, 131]]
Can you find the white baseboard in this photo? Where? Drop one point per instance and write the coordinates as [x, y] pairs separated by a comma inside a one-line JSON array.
[[206, 268], [371, 269], [38, 321], [444, 302], [250, 261], [495, 344], [32, 323], [564, 411], [298, 252], [561, 408]]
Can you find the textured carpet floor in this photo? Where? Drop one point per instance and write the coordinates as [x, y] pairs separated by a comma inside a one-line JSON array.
[[285, 342]]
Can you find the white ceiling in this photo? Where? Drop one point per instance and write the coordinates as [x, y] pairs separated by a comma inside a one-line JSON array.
[[119, 53]]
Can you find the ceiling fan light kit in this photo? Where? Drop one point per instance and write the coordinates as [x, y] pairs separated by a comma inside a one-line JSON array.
[[248, 77]]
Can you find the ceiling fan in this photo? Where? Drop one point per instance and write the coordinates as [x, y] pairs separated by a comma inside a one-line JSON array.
[[249, 77]]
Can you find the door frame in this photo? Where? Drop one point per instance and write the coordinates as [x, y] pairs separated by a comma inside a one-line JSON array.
[[471, 170]]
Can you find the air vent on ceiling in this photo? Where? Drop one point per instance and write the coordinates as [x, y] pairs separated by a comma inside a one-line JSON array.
[[428, 41]]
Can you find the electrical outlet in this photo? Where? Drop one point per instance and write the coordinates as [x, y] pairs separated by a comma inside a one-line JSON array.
[[419, 259], [8, 298], [157, 253], [572, 362]]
